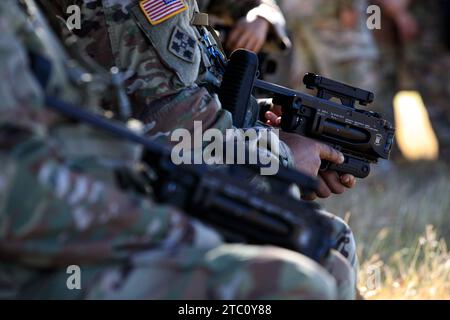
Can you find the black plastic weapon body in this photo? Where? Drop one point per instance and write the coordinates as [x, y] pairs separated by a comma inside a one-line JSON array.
[[362, 136]]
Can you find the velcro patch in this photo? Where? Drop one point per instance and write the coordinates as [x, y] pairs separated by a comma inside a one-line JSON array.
[[182, 45], [158, 11]]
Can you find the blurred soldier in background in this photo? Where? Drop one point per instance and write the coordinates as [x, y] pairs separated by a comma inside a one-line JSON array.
[[330, 38], [398, 27], [428, 59], [414, 56], [414, 31], [60, 203]]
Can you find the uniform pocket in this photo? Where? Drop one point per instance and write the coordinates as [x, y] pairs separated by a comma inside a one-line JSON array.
[[174, 40]]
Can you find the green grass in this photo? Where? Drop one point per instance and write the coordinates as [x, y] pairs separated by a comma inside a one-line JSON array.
[[401, 220]]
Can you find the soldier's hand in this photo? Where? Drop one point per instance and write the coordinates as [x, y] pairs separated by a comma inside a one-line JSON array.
[[250, 35], [308, 156]]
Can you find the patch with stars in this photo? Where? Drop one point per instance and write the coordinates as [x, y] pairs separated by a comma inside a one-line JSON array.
[[182, 45]]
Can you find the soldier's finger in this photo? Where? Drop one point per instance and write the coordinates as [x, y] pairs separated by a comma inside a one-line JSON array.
[[309, 197], [348, 180], [251, 44], [327, 152], [233, 38], [273, 118], [333, 181], [243, 41], [323, 190], [276, 109], [258, 44]]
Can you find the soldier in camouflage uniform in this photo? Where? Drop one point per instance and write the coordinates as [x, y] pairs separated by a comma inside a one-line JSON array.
[[169, 87], [169, 74], [329, 38], [164, 92], [60, 204]]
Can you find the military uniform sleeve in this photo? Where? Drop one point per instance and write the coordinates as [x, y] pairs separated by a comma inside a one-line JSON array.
[[162, 63], [56, 209]]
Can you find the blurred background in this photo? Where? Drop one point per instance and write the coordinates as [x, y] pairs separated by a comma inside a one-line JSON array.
[[400, 50]]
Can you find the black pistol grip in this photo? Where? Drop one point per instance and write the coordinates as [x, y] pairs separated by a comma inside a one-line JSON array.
[[356, 167]]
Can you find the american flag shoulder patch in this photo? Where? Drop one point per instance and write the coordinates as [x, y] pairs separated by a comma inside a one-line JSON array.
[[158, 11]]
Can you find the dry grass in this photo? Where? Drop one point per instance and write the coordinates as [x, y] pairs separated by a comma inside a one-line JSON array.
[[392, 214], [421, 271]]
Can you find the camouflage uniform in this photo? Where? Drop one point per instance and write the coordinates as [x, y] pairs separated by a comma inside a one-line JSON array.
[[167, 90], [60, 205], [324, 44]]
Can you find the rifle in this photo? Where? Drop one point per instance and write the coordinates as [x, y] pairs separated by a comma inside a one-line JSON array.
[[221, 198], [362, 136]]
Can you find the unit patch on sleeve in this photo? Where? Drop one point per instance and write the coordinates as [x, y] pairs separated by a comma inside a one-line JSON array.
[[182, 45]]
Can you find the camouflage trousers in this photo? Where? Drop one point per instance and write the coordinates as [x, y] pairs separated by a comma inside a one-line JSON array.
[[202, 269], [205, 268], [343, 253], [223, 271]]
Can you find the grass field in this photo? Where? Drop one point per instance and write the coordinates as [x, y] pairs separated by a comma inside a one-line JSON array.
[[401, 220]]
